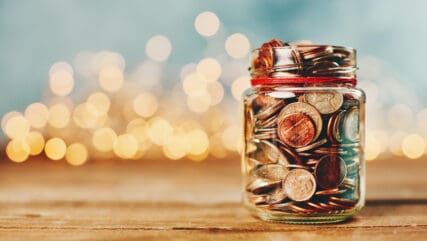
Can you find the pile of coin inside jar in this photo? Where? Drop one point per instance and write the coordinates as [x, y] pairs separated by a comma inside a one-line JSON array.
[[302, 151]]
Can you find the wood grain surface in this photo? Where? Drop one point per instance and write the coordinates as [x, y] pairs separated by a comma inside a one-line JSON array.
[[183, 200]]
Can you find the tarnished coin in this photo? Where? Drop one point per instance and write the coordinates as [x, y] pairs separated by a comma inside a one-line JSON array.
[[305, 108], [351, 125], [296, 130], [325, 102], [268, 153], [299, 185], [274, 172], [330, 171]]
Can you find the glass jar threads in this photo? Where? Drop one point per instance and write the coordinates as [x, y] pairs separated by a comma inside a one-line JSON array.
[[304, 120]]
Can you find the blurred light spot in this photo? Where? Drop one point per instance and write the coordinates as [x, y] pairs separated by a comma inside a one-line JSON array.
[[76, 154], [395, 143], [159, 130], [158, 48], [17, 127], [6, 117], [209, 68], [59, 67], [17, 150], [105, 59], [85, 115], [103, 139], [207, 24], [145, 104], [413, 146], [59, 116], [55, 148], [199, 104], [199, 142], [139, 129], [35, 141], [400, 116], [216, 92], [83, 63], [111, 78], [216, 147], [175, 147], [194, 85], [61, 83], [147, 74], [37, 114], [422, 120], [231, 137], [382, 138], [100, 101], [126, 146], [187, 69], [200, 157], [239, 86], [237, 45], [372, 147]]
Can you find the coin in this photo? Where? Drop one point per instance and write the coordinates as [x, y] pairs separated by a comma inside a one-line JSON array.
[[257, 199], [270, 110], [334, 191], [325, 102], [351, 125], [277, 196], [312, 146], [267, 123], [274, 172], [262, 186], [268, 153], [293, 157], [305, 108], [250, 164], [311, 52], [296, 130], [299, 185], [330, 171]]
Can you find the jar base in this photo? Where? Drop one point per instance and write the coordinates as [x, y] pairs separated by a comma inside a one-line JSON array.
[[282, 217]]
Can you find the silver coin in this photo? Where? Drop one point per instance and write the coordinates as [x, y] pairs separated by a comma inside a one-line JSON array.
[[325, 102], [299, 185], [262, 186], [351, 125], [274, 172], [268, 153]]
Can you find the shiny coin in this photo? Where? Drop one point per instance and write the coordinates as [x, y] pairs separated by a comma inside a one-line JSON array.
[[293, 157], [299, 185], [344, 201], [274, 172], [325, 102], [277, 196], [268, 153], [270, 110], [262, 186], [317, 206], [296, 130], [257, 199], [351, 125], [299, 209], [264, 136], [307, 109], [337, 134], [250, 164], [311, 52], [330, 171], [312, 146], [289, 166], [267, 123], [334, 191]]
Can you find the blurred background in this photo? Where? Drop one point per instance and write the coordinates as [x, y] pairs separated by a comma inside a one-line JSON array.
[[90, 80]]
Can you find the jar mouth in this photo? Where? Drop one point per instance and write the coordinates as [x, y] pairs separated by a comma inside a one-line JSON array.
[[303, 60]]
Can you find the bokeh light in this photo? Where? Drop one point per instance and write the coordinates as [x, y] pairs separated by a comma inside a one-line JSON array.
[[100, 101], [158, 48], [76, 154], [59, 116], [61, 81], [37, 114], [372, 147], [17, 150], [207, 24], [35, 141], [17, 127], [145, 104], [199, 142], [237, 46], [216, 93], [413, 146], [239, 86], [103, 139], [199, 103], [209, 68], [159, 130], [111, 78], [55, 148], [125, 146]]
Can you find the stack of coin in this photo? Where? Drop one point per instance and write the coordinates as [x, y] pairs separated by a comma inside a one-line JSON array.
[[278, 59], [303, 152]]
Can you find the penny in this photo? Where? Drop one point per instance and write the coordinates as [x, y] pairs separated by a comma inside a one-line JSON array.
[[305, 108], [311, 52], [289, 166], [274, 172], [299, 185], [267, 123], [325, 102], [343, 200], [262, 186], [257, 199], [334, 191], [268, 153], [330, 171], [293, 157], [296, 130], [317, 206], [351, 125], [299, 209]]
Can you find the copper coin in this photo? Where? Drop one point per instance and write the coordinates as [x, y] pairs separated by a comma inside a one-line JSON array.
[[296, 130], [304, 108], [330, 171], [299, 185]]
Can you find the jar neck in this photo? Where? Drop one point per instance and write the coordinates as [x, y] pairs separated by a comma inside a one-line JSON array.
[[303, 81]]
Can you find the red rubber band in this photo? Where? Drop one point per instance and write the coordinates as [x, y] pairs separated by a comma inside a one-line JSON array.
[[301, 80]]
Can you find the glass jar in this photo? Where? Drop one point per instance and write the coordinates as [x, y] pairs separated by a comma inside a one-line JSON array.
[[303, 159]]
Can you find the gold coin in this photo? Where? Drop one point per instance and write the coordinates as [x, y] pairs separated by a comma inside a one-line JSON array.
[[305, 108], [325, 102]]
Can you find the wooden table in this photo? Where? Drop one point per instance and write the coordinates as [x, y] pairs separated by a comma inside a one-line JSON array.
[[183, 200]]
